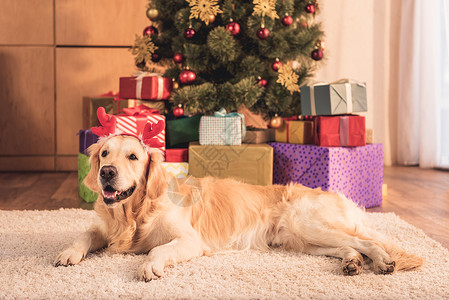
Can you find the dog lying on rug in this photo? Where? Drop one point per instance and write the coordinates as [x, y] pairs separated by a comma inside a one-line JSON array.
[[143, 210]]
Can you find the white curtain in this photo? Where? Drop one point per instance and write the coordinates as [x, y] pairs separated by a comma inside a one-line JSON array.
[[423, 119]]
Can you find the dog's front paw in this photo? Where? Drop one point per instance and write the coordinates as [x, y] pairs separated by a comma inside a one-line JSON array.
[[150, 271], [68, 257]]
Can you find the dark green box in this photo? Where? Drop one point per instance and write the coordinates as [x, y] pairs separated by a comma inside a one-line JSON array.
[[83, 168], [181, 131]]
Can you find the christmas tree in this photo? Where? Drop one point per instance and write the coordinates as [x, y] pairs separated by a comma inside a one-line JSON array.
[[233, 52]]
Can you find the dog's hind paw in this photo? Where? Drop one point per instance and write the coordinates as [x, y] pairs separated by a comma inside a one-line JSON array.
[[385, 267], [68, 257], [150, 271], [352, 267]]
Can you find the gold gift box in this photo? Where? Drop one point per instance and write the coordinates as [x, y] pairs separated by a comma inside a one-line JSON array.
[[295, 132], [250, 163], [259, 136]]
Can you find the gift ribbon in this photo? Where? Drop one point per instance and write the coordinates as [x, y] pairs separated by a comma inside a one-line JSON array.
[[221, 113], [287, 125], [347, 82], [139, 79], [344, 131]]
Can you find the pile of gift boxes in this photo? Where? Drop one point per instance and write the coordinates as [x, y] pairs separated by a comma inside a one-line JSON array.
[[327, 147]]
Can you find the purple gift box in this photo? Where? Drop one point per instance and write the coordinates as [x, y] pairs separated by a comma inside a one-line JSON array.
[[356, 172], [87, 138]]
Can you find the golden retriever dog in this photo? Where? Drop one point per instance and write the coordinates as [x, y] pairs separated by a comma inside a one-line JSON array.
[[143, 210]]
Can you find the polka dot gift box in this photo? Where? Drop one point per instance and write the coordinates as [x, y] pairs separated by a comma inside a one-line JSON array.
[[357, 172]]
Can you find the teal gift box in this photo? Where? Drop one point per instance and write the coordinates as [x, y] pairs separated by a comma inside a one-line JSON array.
[[340, 97], [222, 129]]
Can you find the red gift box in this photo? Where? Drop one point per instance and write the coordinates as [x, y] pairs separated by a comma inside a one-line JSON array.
[[145, 87], [348, 130], [134, 119], [177, 155]]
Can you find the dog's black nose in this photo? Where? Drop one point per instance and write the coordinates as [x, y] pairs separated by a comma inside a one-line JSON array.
[[108, 172]]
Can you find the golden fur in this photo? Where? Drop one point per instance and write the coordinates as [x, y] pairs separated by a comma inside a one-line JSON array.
[[178, 219]]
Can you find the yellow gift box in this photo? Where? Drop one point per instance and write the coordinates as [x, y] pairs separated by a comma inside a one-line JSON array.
[[250, 163], [295, 132]]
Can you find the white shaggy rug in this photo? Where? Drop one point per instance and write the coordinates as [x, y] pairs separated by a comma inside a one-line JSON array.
[[30, 240]]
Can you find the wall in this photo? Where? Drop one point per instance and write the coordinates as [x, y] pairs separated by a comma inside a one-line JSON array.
[[52, 53], [362, 40]]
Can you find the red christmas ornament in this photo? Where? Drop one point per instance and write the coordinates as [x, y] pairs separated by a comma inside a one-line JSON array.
[[178, 58], [189, 33], [310, 8], [317, 54], [276, 65], [187, 76], [262, 82], [287, 20], [233, 27], [155, 57], [179, 111], [150, 30], [263, 33]]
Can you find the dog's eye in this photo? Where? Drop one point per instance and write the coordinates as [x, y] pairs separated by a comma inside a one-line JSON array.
[[104, 153], [132, 157]]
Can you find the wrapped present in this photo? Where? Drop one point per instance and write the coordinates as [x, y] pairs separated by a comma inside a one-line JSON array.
[[295, 132], [357, 172], [150, 86], [340, 97], [83, 168], [86, 138], [158, 105], [182, 131], [177, 155], [222, 129], [250, 163], [346, 131], [258, 136], [111, 103], [369, 136], [134, 119], [177, 169]]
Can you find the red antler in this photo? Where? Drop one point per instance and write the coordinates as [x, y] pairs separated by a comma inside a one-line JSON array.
[[151, 131], [108, 123]]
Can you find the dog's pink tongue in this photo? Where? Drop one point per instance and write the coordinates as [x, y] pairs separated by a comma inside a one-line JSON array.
[[108, 194]]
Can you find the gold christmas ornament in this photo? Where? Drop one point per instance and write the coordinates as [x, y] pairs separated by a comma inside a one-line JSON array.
[[211, 19], [152, 14], [288, 78], [175, 85], [143, 48], [265, 8], [203, 9], [276, 121], [321, 45]]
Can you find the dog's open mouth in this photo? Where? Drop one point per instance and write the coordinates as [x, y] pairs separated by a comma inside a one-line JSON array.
[[111, 195]]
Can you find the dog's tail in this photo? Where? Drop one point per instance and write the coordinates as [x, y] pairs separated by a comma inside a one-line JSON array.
[[404, 261]]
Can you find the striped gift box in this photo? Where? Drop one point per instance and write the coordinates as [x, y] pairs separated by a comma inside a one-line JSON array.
[[136, 124], [220, 131], [178, 170]]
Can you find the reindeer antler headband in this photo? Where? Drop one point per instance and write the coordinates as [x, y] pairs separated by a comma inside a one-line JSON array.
[[109, 127]]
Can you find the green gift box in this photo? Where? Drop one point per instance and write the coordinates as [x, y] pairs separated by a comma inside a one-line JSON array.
[[182, 131], [83, 168], [340, 97]]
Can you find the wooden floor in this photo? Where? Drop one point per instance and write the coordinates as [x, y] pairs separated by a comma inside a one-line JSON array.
[[418, 196]]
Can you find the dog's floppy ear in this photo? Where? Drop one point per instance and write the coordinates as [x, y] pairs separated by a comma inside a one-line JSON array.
[[157, 176], [94, 161]]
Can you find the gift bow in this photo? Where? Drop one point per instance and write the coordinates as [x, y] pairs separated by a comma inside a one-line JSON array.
[[141, 110], [139, 79], [221, 113], [347, 82]]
